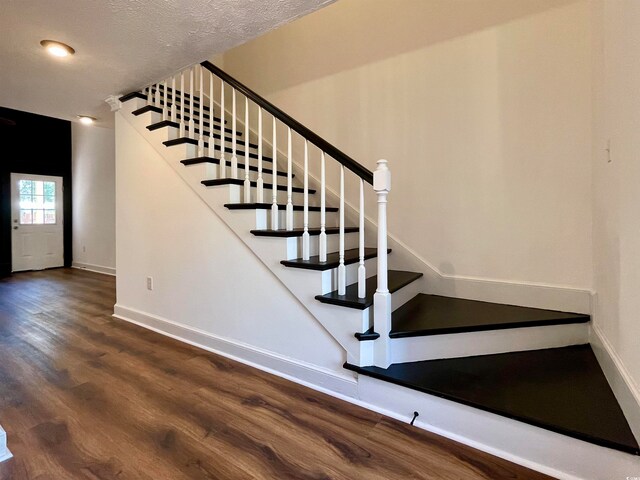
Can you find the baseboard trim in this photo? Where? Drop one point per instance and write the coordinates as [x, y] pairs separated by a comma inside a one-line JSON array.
[[294, 370], [94, 268], [624, 387], [7, 455]]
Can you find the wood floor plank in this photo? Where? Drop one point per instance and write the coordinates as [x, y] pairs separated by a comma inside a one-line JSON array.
[[87, 396]]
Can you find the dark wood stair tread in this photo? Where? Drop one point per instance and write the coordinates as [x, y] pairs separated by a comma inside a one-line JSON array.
[[169, 123], [281, 206], [396, 280], [437, 315], [194, 141], [240, 181], [558, 389], [131, 96], [216, 161], [333, 259], [297, 232], [368, 335]]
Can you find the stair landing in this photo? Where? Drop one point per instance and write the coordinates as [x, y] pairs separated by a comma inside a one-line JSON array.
[[560, 389]]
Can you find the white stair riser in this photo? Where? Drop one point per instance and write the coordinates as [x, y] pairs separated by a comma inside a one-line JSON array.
[[211, 172], [488, 342], [293, 246]]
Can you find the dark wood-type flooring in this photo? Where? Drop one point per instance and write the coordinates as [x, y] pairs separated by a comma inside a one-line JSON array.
[[86, 396]]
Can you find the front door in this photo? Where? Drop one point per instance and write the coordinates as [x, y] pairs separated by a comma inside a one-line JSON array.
[[36, 222]]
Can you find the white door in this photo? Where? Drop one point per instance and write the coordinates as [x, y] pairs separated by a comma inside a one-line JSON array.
[[36, 222]]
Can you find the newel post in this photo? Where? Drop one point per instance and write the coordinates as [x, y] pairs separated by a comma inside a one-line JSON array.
[[382, 297]]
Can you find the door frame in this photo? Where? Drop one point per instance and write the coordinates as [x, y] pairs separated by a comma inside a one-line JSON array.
[[15, 208]]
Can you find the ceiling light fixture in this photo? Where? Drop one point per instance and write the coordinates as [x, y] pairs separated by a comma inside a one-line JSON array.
[[57, 49], [85, 120]]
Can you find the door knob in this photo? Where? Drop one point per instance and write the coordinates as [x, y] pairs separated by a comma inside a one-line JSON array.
[[15, 228]]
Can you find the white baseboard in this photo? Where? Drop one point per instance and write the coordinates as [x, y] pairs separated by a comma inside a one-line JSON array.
[[94, 268], [624, 388], [295, 370], [5, 454]]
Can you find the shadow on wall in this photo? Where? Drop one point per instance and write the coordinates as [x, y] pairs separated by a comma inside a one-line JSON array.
[[354, 33]]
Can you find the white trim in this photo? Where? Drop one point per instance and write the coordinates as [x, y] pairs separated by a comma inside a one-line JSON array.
[[292, 369], [5, 454], [94, 268], [624, 388]]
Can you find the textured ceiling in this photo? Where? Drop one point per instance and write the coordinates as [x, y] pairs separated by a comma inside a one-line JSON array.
[[120, 45]]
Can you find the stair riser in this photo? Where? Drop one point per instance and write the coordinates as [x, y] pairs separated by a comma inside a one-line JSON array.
[[332, 219], [293, 246], [173, 133], [297, 199], [210, 171], [488, 342], [329, 278]]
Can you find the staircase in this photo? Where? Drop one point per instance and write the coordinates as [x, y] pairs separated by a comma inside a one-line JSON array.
[[526, 364]]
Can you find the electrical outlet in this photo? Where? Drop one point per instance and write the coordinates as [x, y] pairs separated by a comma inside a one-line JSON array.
[[84, 249], [149, 283]]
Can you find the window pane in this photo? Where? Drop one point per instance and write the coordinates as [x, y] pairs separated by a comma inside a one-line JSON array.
[[50, 216], [25, 201], [38, 201], [38, 217], [25, 186], [49, 201], [38, 187], [25, 217], [49, 188]]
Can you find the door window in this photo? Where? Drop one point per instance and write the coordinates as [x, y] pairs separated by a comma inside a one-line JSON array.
[[37, 202]]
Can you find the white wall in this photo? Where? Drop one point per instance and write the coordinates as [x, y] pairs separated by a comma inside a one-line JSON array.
[[205, 280], [616, 182], [483, 112], [93, 183]]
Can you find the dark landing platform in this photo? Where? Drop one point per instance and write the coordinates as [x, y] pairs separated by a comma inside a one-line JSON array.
[[435, 315], [559, 389]]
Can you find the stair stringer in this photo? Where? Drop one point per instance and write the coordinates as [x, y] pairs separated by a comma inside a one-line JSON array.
[[341, 323]]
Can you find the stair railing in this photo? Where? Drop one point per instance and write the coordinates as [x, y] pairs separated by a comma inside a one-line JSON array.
[[180, 107]]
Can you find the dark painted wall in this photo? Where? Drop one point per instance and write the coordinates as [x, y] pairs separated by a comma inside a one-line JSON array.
[[37, 145]]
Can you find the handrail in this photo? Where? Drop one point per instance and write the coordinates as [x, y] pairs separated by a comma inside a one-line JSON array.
[[296, 126]]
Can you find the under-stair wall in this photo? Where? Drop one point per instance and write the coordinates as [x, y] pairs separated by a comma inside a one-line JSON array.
[[208, 288]]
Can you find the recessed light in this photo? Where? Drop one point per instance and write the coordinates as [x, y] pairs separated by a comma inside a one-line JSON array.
[[85, 120], [57, 49]]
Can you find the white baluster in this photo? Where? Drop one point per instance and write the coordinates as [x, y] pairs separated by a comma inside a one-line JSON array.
[[247, 183], [223, 160], [323, 216], [212, 140], [274, 165], [342, 272], [305, 222], [157, 88], [234, 159], [362, 272], [201, 123], [175, 99], [289, 223], [182, 120], [149, 95], [260, 184], [165, 107], [382, 297], [192, 92]]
